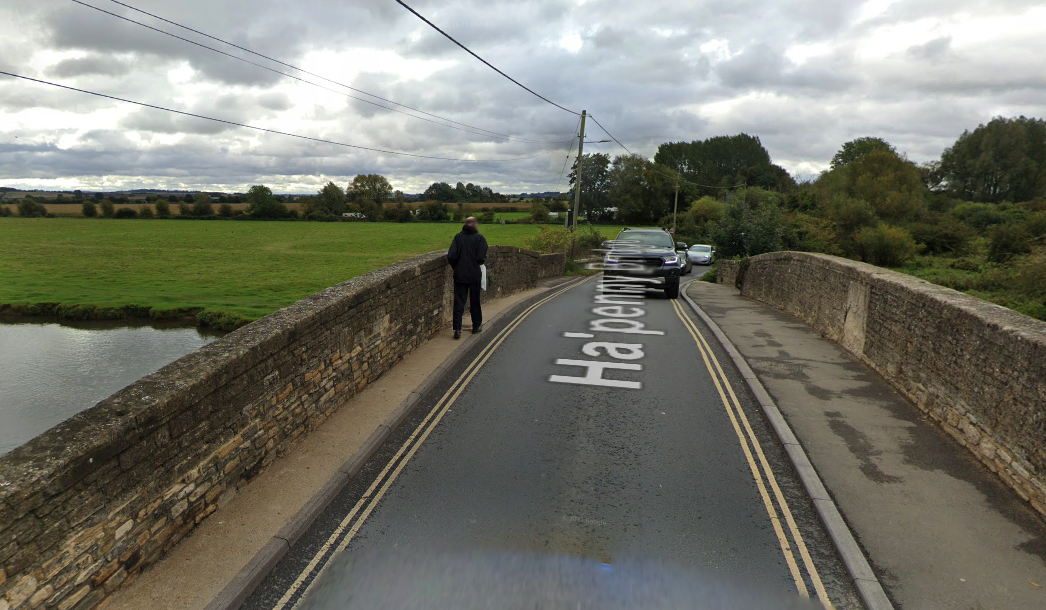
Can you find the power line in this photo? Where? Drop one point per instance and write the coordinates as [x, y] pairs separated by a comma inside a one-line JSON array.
[[491, 66], [570, 148], [610, 134], [470, 128], [265, 129], [676, 176]]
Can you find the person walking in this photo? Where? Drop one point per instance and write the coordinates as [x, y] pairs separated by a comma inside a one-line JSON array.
[[467, 252]]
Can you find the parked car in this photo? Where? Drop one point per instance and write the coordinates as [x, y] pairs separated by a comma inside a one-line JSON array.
[[701, 254], [685, 264]]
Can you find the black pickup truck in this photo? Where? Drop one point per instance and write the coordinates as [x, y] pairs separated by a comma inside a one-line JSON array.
[[650, 254]]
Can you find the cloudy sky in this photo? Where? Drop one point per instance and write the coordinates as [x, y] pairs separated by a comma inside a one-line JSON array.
[[803, 75]]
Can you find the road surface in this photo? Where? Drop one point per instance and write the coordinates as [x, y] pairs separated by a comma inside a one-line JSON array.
[[598, 424]]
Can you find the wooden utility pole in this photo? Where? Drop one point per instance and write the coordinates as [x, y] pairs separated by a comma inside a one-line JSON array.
[[675, 207], [580, 159]]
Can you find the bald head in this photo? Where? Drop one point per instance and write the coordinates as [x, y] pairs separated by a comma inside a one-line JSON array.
[[472, 222]]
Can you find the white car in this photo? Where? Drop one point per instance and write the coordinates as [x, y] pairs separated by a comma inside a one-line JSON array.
[[700, 254]]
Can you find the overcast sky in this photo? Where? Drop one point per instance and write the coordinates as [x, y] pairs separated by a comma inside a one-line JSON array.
[[803, 75]]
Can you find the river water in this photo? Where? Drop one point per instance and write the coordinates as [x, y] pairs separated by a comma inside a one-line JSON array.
[[50, 372]]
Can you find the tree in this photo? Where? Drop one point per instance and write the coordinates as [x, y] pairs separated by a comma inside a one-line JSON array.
[[641, 191], [372, 187], [893, 186], [370, 210], [163, 209], [441, 191], [262, 204], [722, 161], [433, 211], [751, 225], [202, 205], [1004, 160], [89, 209], [225, 210], [29, 208], [107, 208], [858, 149], [595, 183], [539, 213], [331, 200]]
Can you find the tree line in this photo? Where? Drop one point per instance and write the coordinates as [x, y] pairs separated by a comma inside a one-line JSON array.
[[973, 220]]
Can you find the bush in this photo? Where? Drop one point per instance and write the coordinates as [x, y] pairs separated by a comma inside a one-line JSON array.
[[539, 213], [1031, 277], [884, 245], [225, 210], [589, 237], [5, 211], [163, 209], [107, 208], [434, 211], [1035, 226], [89, 209], [548, 240], [965, 264], [27, 208], [712, 275], [184, 210], [202, 208], [980, 215], [125, 213], [264, 205], [488, 216], [1007, 241], [746, 230], [371, 210], [145, 211], [807, 233], [942, 234]]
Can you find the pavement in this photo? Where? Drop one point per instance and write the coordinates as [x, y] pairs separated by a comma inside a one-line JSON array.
[[521, 456], [197, 570], [940, 530]]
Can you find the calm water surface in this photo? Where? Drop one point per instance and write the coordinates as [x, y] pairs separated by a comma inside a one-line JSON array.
[[50, 372]]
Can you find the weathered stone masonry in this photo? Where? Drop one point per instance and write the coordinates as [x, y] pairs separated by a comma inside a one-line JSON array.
[[87, 505], [976, 368]]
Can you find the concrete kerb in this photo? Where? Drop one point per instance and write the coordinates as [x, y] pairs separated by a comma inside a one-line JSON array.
[[251, 575], [868, 586]]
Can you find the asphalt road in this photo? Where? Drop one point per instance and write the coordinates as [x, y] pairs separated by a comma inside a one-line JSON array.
[[511, 457]]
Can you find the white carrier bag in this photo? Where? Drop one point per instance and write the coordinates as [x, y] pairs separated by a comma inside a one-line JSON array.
[[483, 277]]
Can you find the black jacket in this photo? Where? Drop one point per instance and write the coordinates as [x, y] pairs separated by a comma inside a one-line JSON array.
[[467, 252]]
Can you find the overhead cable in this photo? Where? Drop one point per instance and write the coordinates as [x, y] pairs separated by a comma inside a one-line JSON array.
[[265, 129], [489, 65], [461, 126]]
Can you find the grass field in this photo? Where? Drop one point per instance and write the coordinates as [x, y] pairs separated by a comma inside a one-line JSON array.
[[247, 269]]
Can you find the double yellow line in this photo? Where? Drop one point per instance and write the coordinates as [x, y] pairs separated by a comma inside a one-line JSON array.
[[339, 539], [749, 445]]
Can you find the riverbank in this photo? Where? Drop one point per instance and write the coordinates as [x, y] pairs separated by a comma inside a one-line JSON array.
[[217, 274]]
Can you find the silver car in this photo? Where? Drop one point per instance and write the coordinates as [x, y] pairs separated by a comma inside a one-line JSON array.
[[701, 254]]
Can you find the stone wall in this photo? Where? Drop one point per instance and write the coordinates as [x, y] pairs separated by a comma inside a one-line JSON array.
[[978, 369], [87, 505]]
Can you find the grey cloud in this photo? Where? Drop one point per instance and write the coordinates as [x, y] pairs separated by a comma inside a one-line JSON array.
[[933, 50], [92, 65], [646, 87]]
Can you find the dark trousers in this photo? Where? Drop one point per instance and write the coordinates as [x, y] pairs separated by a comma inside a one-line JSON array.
[[471, 292]]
